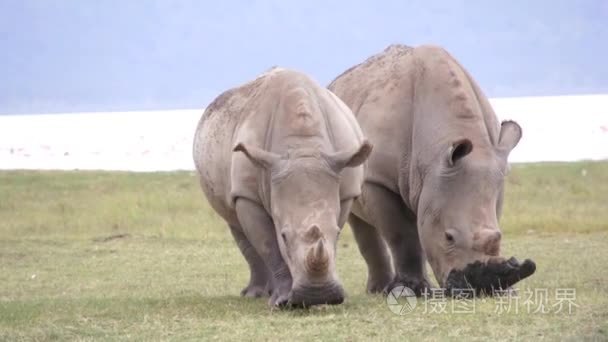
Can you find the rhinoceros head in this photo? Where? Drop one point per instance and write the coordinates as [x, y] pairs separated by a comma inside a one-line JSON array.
[[458, 212], [307, 212]]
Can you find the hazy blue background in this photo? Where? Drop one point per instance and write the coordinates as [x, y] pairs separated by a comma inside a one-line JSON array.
[[101, 55]]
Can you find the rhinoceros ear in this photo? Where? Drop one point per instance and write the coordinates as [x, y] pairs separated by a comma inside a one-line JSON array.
[[510, 134], [459, 149], [342, 159], [258, 156]]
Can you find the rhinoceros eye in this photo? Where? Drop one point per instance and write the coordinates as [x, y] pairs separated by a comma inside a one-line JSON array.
[[449, 237], [284, 236]]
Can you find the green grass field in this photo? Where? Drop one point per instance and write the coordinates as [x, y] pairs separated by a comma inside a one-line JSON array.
[[141, 256]]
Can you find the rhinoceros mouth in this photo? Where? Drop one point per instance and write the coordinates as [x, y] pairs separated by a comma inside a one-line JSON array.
[[305, 296], [488, 278]]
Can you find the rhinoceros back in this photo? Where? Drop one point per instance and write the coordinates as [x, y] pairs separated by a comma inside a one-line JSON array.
[[213, 144], [411, 103]]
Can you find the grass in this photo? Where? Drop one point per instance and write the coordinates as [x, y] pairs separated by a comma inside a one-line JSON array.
[[172, 272]]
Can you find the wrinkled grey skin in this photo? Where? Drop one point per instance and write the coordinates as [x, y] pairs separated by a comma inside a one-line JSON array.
[[434, 184], [279, 159]]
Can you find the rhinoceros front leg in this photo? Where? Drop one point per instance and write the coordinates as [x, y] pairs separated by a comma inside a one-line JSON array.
[[260, 283], [375, 252], [397, 225], [260, 231]]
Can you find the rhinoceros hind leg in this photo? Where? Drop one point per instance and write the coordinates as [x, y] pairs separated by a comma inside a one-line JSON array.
[[260, 232], [375, 252]]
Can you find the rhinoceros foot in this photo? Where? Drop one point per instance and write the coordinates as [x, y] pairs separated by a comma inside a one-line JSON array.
[[379, 284], [489, 278], [255, 291], [279, 299], [419, 286]]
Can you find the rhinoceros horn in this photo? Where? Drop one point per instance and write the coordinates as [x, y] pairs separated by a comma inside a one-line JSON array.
[[317, 259]]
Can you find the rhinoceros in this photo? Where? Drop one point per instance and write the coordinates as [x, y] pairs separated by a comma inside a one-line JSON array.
[[433, 187], [279, 159]]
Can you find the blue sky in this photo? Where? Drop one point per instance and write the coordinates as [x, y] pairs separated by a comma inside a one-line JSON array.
[[89, 55]]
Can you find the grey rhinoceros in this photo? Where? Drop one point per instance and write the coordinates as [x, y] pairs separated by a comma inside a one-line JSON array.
[[434, 184], [279, 160]]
